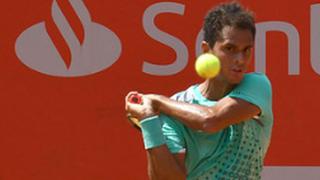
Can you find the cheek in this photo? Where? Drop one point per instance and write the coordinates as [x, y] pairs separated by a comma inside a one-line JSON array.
[[248, 62], [225, 62], [225, 59], [225, 67]]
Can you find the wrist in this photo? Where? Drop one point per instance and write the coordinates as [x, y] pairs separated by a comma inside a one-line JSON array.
[[156, 102], [147, 114], [152, 132]]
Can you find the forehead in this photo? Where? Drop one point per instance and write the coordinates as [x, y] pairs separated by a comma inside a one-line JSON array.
[[236, 36]]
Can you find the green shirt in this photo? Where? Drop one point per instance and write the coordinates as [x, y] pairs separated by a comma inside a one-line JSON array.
[[236, 152]]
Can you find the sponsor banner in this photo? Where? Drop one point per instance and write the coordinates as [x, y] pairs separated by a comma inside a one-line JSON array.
[[68, 64], [291, 173]]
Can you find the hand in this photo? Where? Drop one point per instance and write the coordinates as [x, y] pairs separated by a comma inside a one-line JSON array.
[[139, 111]]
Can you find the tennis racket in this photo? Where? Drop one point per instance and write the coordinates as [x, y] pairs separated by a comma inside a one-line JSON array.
[[134, 121]]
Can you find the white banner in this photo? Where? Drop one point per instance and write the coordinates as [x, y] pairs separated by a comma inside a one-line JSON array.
[[291, 173]]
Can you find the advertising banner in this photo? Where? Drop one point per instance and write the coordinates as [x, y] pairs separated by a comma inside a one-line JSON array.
[[66, 66]]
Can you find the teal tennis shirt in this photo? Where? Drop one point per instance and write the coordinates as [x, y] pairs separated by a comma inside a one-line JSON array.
[[236, 152]]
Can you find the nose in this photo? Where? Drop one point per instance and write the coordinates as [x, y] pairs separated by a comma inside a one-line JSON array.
[[240, 58]]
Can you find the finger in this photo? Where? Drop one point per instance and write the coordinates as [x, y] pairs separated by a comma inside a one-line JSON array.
[[135, 98], [133, 109], [126, 100], [130, 94]]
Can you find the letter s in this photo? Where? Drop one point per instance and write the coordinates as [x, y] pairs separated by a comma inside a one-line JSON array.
[[315, 37], [165, 38]]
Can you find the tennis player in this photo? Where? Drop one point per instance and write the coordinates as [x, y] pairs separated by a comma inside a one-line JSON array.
[[221, 128]]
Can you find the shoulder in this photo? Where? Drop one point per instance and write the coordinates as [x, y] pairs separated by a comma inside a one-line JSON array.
[[256, 89], [256, 78], [257, 82], [186, 95]]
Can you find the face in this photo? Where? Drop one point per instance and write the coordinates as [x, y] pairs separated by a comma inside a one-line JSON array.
[[234, 50]]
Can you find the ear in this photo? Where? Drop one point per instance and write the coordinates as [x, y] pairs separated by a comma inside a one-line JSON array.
[[205, 47]]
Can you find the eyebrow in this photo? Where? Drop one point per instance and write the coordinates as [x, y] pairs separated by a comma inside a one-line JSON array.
[[234, 45]]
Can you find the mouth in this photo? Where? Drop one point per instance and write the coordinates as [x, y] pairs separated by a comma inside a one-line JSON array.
[[237, 70]]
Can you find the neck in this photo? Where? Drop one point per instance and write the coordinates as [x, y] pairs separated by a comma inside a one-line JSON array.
[[215, 89]]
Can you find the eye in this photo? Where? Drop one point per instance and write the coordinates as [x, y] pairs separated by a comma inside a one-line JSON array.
[[248, 50], [230, 48]]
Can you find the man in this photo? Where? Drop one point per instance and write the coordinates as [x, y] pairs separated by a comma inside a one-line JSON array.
[[221, 128]]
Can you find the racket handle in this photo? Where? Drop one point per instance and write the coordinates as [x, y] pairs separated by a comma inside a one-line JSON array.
[[135, 99]]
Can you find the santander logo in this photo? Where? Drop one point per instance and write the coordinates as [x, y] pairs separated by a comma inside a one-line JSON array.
[[89, 50]]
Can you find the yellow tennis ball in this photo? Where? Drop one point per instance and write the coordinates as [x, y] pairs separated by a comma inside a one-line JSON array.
[[207, 65]]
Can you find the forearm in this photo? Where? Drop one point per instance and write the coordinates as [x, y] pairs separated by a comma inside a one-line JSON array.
[[162, 165], [193, 115], [151, 169], [224, 113]]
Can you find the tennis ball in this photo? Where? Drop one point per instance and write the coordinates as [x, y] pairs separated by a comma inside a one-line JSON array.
[[207, 65]]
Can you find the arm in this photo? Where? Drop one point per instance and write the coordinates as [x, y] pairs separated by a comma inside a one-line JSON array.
[[225, 112], [253, 96], [162, 164]]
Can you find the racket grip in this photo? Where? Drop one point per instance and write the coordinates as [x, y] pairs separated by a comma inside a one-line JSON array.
[[135, 99]]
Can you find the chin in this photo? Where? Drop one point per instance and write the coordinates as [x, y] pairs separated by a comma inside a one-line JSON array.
[[236, 80]]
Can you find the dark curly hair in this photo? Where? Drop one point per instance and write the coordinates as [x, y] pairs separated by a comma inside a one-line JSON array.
[[227, 14]]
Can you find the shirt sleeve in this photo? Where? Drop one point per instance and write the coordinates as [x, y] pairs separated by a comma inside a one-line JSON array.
[[255, 88], [172, 131]]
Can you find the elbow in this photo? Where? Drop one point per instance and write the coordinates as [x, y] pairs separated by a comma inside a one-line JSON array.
[[178, 177], [174, 173], [168, 176], [210, 124]]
